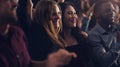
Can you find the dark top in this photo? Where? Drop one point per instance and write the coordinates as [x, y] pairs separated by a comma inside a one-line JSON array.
[[80, 49], [40, 43], [13, 50], [80, 61]]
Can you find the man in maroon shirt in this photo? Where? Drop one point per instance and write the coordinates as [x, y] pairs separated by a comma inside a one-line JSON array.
[[13, 44]]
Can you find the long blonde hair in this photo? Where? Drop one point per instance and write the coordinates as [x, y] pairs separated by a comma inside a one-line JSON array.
[[43, 14]]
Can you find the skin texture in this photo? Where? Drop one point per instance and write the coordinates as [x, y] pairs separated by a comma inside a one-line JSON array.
[[56, 16]]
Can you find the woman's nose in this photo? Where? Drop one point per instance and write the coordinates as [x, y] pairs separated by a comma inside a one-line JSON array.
[[58, 16]]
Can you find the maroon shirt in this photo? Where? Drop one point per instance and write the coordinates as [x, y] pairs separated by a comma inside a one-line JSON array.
[[13, 50]]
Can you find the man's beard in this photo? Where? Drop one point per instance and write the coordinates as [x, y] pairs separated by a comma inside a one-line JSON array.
[[9, 19]]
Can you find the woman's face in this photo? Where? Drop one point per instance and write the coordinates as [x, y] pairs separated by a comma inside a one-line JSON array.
[[56, 16], [70, 17]]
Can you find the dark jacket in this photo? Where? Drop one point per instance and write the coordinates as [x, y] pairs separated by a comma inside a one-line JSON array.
[[104, 50]]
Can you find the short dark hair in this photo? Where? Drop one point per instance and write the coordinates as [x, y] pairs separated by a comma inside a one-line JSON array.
[[99, 3]]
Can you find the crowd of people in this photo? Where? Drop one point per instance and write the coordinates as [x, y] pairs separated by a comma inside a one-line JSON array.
[[57, 33]]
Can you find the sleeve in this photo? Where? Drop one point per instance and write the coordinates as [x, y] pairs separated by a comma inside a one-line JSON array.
[[102, 56]]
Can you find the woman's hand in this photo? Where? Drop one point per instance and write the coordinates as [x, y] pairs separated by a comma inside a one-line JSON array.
[[60, 58]]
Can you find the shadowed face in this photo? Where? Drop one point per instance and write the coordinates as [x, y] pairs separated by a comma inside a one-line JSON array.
[[107, 12], [8, 10]]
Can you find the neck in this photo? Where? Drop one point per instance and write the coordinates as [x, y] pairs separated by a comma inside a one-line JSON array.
[[67, 32], [69, 38]]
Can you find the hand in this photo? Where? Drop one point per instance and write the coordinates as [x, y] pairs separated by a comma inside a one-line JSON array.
[[30, 8], [30, 4], [59, 58], [79, 23], [85, 35]]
